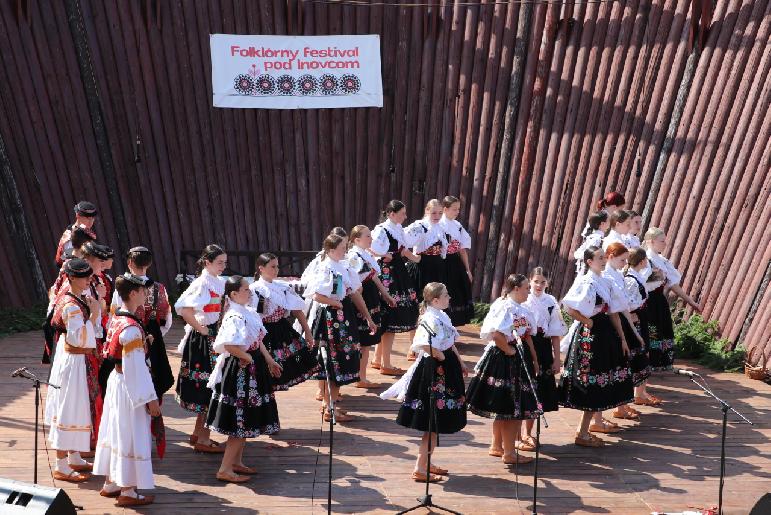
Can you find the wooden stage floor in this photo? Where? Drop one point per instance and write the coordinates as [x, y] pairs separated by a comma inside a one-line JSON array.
[[668, 462]]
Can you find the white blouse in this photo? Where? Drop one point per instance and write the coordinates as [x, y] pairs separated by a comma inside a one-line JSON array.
[[426, 235], [632, 287], [380, 238], [619, 301], [658, 261], [546, 313], [333, 279], [362, 262], [456, 232], [80, 330], [440, 324], [275, 294], [582, 295], [198, 295], [630, 240], [241, 327], [507, 317]]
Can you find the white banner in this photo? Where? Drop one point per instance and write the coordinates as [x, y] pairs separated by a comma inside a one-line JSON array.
[[296, 72]]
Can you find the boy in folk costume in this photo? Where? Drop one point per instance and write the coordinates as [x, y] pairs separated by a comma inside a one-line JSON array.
[[123, 451], [67, 410], [85, 216]]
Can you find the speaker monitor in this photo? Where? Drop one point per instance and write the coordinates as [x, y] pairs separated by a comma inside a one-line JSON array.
[[27, 499]]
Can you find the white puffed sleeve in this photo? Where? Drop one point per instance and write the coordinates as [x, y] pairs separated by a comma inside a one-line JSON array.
[[465, 238], [233, 332], [421, 337], [415, 235], [292, 301], [80, 332], [498, 319], [556, 325], [581, 296], [139, 384], [321, 282], [379, 241], [673, 275], [310, 269], [196, 296], [632, 289]]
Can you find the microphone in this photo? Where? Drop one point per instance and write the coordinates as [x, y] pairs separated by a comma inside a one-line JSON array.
[[18, 372], [681, 372]]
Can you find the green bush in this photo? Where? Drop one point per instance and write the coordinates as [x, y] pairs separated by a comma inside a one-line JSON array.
[[18, 320], [480, 312], [699, 339]]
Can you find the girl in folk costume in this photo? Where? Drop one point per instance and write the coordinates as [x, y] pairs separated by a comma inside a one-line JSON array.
[[334, 290], [372, 291], [617, 255], [595, 231], [620, 227], [85, 216], [156, 319], [662, 350], [595, 375], [632, 240], [430, 244], [609, 204], [67, 410], [243, 404], [500, 389], [443, 373], [459, 274], [549, 328], [392, 246], [123, 453], [635, 278], [275, 300], [200, 306]]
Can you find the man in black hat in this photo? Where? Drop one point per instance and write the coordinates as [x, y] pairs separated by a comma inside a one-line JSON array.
[[85, 216]]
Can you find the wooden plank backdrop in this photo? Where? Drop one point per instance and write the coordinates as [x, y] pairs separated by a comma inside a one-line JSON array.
[[528, 112]]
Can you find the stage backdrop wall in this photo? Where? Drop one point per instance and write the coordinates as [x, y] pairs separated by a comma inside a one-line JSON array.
[[527, 112]]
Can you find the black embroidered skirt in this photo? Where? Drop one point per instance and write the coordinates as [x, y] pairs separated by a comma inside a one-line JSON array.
[[290, 350], [338, 329], [638, 354], [449, 397], [243, 403], [461, 308], [547, 383], [401, 286], [661, 329], [500, 389], [371, 297], [596, 375], [196, 365]]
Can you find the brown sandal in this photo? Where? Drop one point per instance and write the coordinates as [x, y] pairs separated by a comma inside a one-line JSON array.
[[212, 448], [142, 500], [243, 469], [86, 467], [495, 452], [420, 477], [626, 415], [604, 428], [112, 495], [411, 356], [392, 371], [72, 477], [374, 365], [526, 445], [231, 478], [365, 384], [589, 441], [439, 470], [647, 401], [518, 459]]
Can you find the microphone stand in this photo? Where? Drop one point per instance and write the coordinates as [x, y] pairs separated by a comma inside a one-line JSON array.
[[724, 407], [36, 382], [521, 349], [323, 347], [425, 500]]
